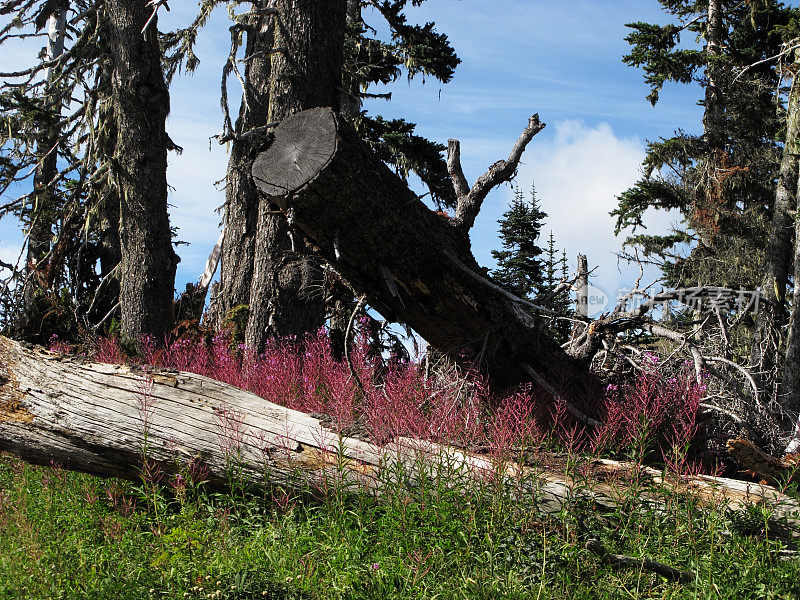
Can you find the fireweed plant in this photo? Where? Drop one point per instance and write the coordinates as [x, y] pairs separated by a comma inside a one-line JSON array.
[[653, 419]]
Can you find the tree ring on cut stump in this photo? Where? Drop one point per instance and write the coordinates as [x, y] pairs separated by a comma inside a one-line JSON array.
[[304, 143]]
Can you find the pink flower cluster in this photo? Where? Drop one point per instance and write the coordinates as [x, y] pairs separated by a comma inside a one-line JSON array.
[[654, 414]]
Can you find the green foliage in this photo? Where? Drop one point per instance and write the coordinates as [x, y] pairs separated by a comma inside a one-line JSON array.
[[395, 142], [721, 184], [519, 264], [69, 535], [417, 50], [236, 322], [50, 314], [654, 50], [556, 273], [527, 269]]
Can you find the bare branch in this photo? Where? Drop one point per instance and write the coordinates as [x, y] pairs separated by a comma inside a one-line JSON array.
[[212, 262], [460, 184], [469, 205], [514, 298], [709, 406], [156, 4], [745, 373], [630, 562], [347, 335], [571, 408]]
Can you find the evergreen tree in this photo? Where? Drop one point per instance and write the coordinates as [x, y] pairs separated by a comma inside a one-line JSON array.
[[553, 293], [520, 268], [419, 51], [721, 182]]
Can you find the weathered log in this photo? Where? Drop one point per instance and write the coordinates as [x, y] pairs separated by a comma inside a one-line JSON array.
[[759, 464], [101, 418], [414, 265]]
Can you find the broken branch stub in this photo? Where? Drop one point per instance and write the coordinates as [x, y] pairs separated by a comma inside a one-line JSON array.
[[470, 200]]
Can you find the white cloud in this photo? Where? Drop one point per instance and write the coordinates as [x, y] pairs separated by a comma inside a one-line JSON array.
[[10, 253], [579, 170], [194, 198]]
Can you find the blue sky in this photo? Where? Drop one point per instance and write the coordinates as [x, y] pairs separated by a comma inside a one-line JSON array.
[[562, 60]]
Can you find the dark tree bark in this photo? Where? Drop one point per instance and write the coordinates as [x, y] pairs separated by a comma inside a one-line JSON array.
[[350, 103], [340, 300], [141, 105], [790, 390], [241, 196], [714, 116], [106, 198], [287, 292], [778, 256], [412, 264], [42, 210]]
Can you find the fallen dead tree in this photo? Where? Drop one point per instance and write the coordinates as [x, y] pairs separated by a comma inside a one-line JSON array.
[[102, 419], [414, 265]]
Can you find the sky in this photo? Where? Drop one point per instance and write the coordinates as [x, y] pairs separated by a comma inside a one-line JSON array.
[[519, 57]]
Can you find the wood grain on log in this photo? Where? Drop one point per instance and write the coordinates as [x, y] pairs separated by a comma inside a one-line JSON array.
[[97, 418]]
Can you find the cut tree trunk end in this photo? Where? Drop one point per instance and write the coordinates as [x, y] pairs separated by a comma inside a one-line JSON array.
[[414, 265], [96, 417]]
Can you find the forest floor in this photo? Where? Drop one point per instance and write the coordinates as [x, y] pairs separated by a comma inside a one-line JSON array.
[[70, 535]]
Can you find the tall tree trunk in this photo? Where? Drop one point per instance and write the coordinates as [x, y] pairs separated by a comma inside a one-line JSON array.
[[790, 389], [105, 197], [141, 105], [241, 196], [42, 212], [286, 296], [341, 302], [714, 116], [773, 316], [707, 195]]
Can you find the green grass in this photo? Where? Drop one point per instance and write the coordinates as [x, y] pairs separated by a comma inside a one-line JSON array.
[[68, 535]]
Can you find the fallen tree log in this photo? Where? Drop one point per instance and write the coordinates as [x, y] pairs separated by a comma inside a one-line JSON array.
[[759, 464], [103, 419], [414, 265]]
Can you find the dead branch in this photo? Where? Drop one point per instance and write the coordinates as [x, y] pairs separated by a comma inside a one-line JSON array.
[[469, 202], [629, 562], [571, 408], [347, 334]]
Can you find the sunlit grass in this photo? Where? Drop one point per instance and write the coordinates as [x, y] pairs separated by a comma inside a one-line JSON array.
[[68, 535]]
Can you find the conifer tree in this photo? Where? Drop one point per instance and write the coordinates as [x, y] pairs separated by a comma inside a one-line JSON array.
[[722, 181], [553, 294], [520, 268]]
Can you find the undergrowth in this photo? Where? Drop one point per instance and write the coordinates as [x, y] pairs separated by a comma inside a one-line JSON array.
[[450, 535], [69, 535]]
